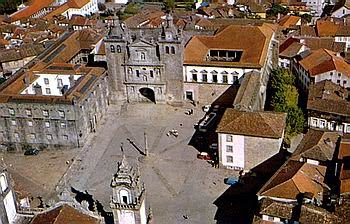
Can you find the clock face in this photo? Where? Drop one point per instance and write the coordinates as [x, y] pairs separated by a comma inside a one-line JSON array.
[[127, 217]]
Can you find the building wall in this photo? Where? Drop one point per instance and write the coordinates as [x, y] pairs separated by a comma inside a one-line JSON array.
[[204, 93], [13, 66], [328, 124], [52, 125], [341, 12], [87, 9], [343, 39], [7, 200], [248, 151]]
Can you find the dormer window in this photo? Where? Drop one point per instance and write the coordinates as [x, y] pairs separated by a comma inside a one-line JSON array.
[[224, 55]]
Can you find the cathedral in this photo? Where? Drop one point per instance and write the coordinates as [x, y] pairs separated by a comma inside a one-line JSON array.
[[146, 65]]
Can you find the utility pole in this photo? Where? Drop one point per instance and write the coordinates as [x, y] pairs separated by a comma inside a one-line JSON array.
[[146, 143]]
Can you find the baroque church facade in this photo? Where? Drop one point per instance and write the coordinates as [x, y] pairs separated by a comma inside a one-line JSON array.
[[146, 64]]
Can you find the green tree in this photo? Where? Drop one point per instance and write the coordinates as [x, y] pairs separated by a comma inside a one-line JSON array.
[[283, 97], [307, 17], [277, 8], [169, 5]]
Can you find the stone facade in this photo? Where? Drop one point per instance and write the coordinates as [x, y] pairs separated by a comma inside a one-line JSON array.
[[49, 123], [146, 64], [128, 198]]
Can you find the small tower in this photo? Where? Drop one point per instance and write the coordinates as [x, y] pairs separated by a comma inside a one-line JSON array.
[[128, 198]]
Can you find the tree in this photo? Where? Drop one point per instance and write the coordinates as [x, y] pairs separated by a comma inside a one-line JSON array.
[[283, 97], [306, 17], [276, 8], [169, 5]]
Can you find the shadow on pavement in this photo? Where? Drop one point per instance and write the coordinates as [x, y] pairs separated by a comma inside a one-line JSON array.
[[239, 202]]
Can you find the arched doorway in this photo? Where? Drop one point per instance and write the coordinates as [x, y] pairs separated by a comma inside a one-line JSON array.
[[148, 93]]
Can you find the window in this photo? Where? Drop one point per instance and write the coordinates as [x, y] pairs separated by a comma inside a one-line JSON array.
[[331, 73], [229, 148], [339, 74], [173, 50], [348, 128], [49, 136], [205, 78], [28, 112], [119, 49], [125, 199], [61, 113], [314, 122], [137, 73], [151, 73], [194, 77], [46, 81], [13, 122], [31, 136], [229, 138], [47, 124], [65, 137], [63, 125], [344, 82], [224, 78], [59, 83], [215, 78], [143, 56], [3, 183], [338, 81], [235, 78], [229, 159], [48, 91], [167, 49], [30, 123], [322, 124], [16, 135], [45, 113], [112, 49], [11, 111]]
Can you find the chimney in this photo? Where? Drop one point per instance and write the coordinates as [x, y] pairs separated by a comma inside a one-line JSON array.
[[71, 81], [37, 89]]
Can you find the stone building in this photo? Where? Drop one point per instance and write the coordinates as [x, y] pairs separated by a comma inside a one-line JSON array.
[[146, 64], [58, 106], [128, 198]]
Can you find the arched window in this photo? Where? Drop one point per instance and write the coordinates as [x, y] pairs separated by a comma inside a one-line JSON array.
[[167, 49], [119, 49], [145, 78], [173, 50], [124, 196], [143, 56], [112, 49]]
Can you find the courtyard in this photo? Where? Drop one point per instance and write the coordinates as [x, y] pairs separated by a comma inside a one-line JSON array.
[[177, 183]]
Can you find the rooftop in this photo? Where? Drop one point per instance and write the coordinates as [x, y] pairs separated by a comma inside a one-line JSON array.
[[293, 178], [317, 145], [257, 124], [252, 41], [328, 97]]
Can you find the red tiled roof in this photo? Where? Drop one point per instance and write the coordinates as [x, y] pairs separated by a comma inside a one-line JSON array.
[[36, 6]]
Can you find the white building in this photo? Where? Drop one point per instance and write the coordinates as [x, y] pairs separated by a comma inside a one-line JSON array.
[[341, 9], [7, 200], [316, 6], [221, 60], [244, 135], [322, 65]]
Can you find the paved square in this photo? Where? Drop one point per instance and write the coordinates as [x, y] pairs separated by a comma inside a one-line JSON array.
[[177, 183]]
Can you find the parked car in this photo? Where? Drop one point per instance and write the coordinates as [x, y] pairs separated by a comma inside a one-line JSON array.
[[231, 181], [204, 155], [31, 152]]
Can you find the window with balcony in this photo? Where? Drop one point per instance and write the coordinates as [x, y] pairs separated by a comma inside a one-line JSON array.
[[224, 55]]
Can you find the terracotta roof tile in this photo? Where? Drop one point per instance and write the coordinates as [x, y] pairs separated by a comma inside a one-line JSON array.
[[289, 21], [36, 6], [293, 178], [259, 124], [252, 40], [328, 97], [317, 145], [63, 215]]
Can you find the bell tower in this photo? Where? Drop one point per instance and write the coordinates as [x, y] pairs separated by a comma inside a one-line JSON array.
[[128, 198]]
